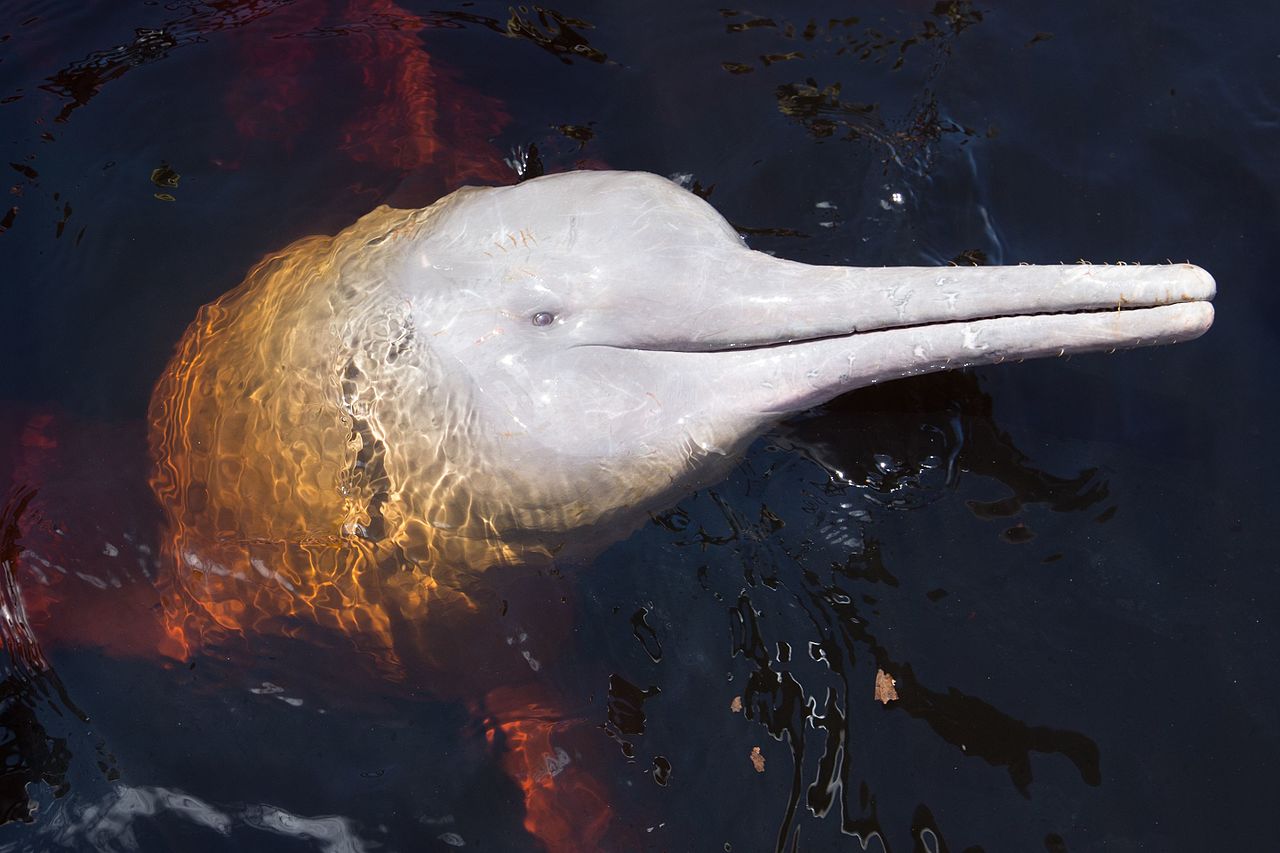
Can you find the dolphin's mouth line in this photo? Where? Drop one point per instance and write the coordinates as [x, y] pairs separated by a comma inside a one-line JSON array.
[[853, 333]]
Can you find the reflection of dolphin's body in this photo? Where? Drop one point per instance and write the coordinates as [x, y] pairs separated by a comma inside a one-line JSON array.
[[516, 371]]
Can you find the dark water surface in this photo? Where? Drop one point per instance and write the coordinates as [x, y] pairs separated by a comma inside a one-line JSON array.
[[1069, 567]]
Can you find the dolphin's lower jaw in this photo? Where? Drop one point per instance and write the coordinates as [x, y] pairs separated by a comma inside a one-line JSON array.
[[1135, 326], [867, 358]]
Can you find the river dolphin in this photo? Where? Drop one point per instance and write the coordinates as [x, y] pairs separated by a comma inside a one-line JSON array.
[[516, 371]]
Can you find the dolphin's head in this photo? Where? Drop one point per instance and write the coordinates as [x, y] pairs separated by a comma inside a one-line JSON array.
[[528, 364]]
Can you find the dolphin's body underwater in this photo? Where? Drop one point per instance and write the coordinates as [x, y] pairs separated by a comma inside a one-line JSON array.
[[516, 370]]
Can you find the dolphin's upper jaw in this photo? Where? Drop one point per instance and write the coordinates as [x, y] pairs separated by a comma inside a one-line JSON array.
[[1193, 318]]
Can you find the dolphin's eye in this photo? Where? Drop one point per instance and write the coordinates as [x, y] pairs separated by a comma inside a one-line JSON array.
[[544, 318]]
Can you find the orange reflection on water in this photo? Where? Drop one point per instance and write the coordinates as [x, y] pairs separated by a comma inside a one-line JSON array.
[[563, 805], [284, 504]]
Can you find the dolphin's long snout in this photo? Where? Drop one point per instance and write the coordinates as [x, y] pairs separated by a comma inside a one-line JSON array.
[[753, 300], [920, 296], [841, 328], [822, 301]]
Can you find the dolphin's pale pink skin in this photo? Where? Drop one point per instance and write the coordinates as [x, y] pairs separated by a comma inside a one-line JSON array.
[[519, 372]]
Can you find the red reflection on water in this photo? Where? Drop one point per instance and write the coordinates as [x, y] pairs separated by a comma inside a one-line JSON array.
[[563, 805], [86, 578], [415, 113]]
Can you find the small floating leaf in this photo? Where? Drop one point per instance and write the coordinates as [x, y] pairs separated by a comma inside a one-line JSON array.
[[164, 176], [885, 690], [1019, 534], [577, 132]]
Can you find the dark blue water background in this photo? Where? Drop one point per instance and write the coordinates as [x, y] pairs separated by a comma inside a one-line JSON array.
[[1069, 566]]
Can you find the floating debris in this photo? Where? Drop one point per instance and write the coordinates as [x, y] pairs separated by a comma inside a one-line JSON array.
[[164, 176], [885, 687]]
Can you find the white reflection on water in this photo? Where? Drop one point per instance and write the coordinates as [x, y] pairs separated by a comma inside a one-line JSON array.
[[108, 825]]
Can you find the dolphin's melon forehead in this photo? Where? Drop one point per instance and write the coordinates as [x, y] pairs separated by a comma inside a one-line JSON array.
[[605, 212]]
